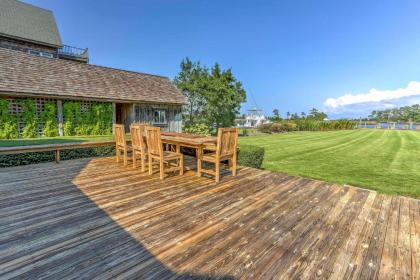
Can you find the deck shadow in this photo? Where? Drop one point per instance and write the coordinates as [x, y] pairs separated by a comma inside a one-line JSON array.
[[59, 232]]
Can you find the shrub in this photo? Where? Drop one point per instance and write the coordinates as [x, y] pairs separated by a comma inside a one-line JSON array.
[[265, 128], [8, 122], [306, 125], [251, 156], [29, 117], [71, 112], [289, 126], [278, 127], [95, 121], [30, 158], [49, 118], [245, 132], [199, 128]]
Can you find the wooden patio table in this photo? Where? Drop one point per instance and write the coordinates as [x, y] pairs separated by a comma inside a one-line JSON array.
[[193, 141]]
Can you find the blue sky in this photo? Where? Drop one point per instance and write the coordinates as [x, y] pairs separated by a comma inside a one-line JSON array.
[[292, 55]]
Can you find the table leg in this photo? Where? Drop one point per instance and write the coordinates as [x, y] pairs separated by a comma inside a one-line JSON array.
[[199, 156]]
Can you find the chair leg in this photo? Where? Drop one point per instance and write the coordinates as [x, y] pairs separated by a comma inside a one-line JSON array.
[[150, 165], [117, 153], [134, 160], [143, 162], [125, 157], [181, 165], [161, 166], [217, 175], [234, 166]]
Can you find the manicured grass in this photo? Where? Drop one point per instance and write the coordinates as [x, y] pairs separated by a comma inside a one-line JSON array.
[[52, 140], [384, 160]]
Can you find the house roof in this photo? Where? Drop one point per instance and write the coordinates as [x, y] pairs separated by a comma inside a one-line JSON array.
[[22, 21], [25, 74]]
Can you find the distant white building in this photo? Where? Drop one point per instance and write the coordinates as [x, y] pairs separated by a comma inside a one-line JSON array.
[[255, 118]]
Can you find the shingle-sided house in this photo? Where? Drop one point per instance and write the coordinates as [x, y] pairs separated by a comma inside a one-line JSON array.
[[35, 64]]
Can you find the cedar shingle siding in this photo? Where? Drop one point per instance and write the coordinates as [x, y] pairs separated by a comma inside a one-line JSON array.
[[23, 21]]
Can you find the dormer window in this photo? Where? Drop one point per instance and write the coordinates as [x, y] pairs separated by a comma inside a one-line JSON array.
[[41, 53]]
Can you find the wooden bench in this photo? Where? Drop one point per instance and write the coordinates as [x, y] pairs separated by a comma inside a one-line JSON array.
[[54, 148]]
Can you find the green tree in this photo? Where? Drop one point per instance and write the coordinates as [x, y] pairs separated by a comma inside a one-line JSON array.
[[315, 114], [294, 116], [191, 81], [224, 95], [406, 113], [214, 96], [276, 116]]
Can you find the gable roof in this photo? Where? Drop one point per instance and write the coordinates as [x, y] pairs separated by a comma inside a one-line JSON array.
[[25, 74], [29, 23]]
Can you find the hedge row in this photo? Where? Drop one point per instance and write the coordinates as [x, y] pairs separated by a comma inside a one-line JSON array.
[[306, 125], [277, 127], [94, 120], [30, 158], [251, 156]]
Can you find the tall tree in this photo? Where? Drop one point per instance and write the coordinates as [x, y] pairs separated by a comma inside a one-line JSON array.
[[214, 96], [276, 115], [406, 113], [191, 82], [317, 115], [224, 96]]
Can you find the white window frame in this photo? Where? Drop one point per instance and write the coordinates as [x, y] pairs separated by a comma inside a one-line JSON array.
[[159, 116], [40, 53]]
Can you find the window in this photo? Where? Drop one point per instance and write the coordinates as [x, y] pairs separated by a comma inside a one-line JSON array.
[[159, 116], [137, 112], [40, 53]]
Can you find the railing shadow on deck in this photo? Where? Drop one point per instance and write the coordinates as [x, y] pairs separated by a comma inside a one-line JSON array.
[[74, 240]]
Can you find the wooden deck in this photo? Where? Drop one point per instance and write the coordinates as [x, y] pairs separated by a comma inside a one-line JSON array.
[[93, 218]]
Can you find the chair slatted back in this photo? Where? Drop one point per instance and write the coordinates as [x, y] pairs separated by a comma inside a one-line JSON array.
[[154, 141], [138, 136], [119, 135], [227, 141]]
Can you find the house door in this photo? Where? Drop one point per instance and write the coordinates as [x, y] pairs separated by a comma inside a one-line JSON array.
[[118, 113], [123, 114]]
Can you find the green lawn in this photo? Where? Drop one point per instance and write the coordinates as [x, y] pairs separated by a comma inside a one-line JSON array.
[[382, 160], [53, 140]]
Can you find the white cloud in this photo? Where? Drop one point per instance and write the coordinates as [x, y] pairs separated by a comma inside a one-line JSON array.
[[374, 99]]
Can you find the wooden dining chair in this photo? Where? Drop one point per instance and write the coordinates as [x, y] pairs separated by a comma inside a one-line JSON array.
[[121, 143], [226, 149], [156, 152], [139, 144]]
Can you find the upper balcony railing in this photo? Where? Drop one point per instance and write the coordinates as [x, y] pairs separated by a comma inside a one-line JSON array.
[[73, 53]]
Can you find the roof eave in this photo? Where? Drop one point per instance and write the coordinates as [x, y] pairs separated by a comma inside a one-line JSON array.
[[32, 41], [98, 99]]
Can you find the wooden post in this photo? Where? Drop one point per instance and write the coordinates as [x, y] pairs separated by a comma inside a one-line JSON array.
[[132, 116], [114, 116], [57, 156], [60, 117]]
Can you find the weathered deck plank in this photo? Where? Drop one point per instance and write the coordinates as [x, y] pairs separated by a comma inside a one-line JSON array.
[[94, 218]]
